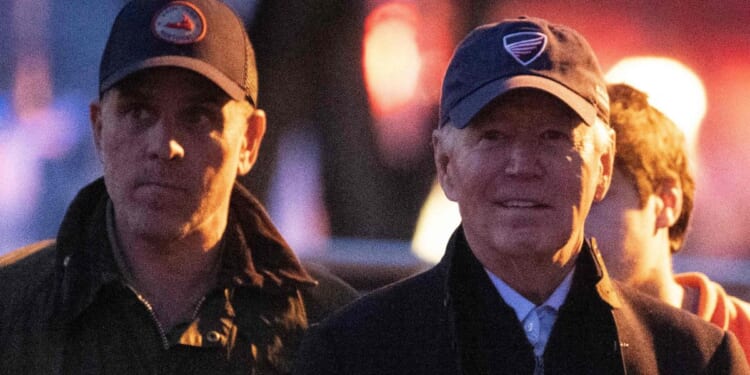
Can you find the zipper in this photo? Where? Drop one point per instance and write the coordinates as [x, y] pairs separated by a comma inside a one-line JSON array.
[[159, 328], [198, 306]]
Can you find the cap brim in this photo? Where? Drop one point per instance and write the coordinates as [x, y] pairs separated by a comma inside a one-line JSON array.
[[465, 110], [214, 75]]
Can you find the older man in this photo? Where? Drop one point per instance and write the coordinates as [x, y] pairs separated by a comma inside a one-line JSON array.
[[166, 265], [524, 147]]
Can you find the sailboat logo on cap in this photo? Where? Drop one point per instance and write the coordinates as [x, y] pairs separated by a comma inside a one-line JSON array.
[[525, 46], [179, 22]]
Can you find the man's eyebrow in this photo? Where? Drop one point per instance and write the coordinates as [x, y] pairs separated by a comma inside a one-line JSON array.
[[208, 98], [135, 92], [208, 94]]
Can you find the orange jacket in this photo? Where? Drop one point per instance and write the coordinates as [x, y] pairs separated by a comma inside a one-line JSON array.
[[718, 307]]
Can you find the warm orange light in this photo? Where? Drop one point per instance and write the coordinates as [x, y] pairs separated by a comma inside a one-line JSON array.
[[391, 60], [672, 87], [438, 218]]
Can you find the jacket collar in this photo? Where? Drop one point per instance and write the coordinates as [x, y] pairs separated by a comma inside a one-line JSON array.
[[459, 270], [255, 254], [590, 268], [591, 257]]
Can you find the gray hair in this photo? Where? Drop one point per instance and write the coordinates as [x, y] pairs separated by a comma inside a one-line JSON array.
[[603, 135]]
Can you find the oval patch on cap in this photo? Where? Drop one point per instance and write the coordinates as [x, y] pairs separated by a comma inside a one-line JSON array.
[[179, 22]]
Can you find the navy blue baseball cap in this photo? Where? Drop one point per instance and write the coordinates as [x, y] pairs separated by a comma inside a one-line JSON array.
[[204, 36], [522, 53]]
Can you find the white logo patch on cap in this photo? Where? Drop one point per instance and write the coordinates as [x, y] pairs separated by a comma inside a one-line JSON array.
[[525, 46], [179, 22]]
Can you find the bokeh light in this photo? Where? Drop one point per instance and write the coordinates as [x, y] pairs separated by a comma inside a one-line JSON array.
[[672, 87], [438, 219], [391, 57]]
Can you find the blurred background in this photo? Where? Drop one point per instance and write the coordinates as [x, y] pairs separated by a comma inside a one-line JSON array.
[[351, 90]]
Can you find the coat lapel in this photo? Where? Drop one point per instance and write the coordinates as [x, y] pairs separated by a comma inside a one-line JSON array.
[[584, 339]]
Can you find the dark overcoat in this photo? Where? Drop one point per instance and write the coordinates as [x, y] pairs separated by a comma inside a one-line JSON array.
[[451, 320]]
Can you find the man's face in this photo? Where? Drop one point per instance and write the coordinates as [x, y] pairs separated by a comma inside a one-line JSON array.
[[524, 174], [626, 231], [172, 144]]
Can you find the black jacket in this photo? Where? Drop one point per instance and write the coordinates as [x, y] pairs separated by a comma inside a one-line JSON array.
[[451, 320], [65, 308]]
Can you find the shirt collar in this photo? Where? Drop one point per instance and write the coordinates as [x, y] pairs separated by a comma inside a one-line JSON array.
[[523, 306], [85, 259]]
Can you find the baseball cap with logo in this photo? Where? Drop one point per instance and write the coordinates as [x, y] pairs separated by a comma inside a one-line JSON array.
[[524, 52], [204, 36]]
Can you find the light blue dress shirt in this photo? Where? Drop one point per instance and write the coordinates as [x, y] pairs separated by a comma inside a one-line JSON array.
[[537, 321]]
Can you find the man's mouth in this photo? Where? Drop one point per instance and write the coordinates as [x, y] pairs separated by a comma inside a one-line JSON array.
[[160, 185], [521, 204]]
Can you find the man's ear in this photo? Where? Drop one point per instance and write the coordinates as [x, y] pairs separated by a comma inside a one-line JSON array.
[[607, 168], [670, 194], [442, 156], [256, 129], [95, 117]]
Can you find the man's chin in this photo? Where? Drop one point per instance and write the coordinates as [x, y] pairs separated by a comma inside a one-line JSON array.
[[158, 228]]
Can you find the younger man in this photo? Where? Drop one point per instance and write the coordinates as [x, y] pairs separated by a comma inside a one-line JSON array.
[[644, 219]]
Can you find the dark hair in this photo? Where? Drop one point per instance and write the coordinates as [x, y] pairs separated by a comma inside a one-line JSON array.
[[650, 150]]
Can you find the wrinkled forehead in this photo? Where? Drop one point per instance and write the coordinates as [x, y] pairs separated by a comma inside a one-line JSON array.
[[155, 82]]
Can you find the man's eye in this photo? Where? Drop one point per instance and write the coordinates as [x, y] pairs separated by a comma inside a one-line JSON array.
[[553, 135], [140, 114], [199, 116], [491, 135]]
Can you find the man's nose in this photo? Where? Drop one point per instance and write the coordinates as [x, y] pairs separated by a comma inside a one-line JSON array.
[[523, 160], [163, 142]]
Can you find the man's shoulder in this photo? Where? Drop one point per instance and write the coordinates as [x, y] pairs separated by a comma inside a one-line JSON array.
[[413, 301], [398, 328], [34, 259], [657, 314], [713, 298], [673, 337], [25, 272], [331, 294], [719, 307]]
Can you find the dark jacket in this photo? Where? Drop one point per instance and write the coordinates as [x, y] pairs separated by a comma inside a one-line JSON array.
[[66, 309], [451, 320]]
